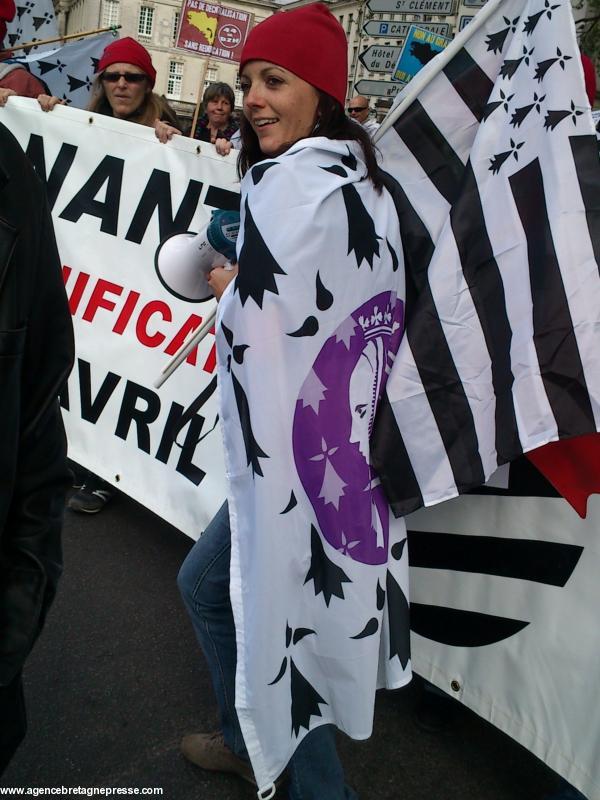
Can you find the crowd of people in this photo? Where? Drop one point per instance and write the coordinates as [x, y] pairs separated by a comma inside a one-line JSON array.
[[294, 105]]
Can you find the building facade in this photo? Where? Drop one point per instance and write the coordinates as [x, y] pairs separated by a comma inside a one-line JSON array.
[[182, 77]]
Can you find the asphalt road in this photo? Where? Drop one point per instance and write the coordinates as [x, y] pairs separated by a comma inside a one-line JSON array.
[[116, 679]]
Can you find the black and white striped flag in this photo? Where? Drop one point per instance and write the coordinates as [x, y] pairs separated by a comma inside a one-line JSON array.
[[492, 159]]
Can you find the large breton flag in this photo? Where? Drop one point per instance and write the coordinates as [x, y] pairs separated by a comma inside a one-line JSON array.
[[492, 158], [68, 70], [34, 21]]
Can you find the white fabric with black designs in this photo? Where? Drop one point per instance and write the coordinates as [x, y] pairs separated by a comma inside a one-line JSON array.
[[306, 336], [69, 70], [498, 196], [34, 21]]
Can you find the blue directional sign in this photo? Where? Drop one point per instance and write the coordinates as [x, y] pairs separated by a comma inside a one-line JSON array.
[[419, 48]]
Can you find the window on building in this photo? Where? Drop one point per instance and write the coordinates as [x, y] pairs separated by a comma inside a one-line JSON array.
[[342, 20], [145, 21], [210, 77], [239, 95], [175, 80], [110, 13], [349, 25], [175, 26]]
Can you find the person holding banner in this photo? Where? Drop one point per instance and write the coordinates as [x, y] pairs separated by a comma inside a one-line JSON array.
[[216, 125], [316, 222], [123, 89]]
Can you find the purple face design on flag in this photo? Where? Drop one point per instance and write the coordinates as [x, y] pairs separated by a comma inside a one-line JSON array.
[[333, 421]]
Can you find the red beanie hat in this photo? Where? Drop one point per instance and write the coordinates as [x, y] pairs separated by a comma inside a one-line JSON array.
[[127, 51], [7, 14], [308, 41]]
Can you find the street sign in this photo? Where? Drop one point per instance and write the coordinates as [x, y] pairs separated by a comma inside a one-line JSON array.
[[377, 88], [418, 49], [441, 7], [213, 30], [380, 59], [398, 30]]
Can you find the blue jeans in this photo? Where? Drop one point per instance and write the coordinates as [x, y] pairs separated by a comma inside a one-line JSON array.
[[315, 771]]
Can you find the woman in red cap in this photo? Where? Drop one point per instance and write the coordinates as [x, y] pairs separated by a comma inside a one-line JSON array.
[[287, 587], [123, 89]]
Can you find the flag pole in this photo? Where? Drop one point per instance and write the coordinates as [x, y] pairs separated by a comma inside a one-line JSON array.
[[435, 66], [113, 28], [199, 98], [186, 348]]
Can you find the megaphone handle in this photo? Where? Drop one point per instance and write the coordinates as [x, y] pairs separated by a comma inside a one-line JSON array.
[[186, 348]]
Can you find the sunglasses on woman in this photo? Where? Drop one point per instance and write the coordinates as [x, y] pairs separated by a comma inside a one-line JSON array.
[[130, 77]]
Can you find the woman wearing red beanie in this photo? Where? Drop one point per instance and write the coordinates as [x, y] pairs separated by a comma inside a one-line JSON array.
[[291, 589], [123, 89]]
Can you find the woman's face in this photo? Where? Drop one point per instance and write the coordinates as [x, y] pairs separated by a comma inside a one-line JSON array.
[[218, 111], [280, 106], [125, 96]]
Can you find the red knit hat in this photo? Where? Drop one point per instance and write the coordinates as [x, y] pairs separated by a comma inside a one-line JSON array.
[[308, 41], [7, 14], [127, 51]]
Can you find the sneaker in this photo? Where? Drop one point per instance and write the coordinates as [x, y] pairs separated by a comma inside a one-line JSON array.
[[92, 497], [79, 474], [209, 751]]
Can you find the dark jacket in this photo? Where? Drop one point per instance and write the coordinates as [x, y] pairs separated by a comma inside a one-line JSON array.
[[36, 355], [202, 131]]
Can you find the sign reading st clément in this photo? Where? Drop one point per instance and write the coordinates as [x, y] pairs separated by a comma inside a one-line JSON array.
[[399, 30], [371, 88], [441, 7]]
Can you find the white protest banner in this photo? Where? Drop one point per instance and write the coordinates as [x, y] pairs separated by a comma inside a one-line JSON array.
[[504, 599], [115, 193]]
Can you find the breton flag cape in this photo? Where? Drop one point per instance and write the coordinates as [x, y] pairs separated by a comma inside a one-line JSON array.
[[490, 350]]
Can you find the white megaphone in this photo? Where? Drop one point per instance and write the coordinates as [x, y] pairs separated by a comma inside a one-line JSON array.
[[183, 261]]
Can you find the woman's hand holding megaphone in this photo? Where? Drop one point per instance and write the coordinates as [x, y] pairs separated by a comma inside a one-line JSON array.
[[219, 278]]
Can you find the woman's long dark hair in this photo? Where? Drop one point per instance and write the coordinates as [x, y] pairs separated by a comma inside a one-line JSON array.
[[332, 122]]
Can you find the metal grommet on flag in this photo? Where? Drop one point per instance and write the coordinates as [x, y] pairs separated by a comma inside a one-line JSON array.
[[267, 793]]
